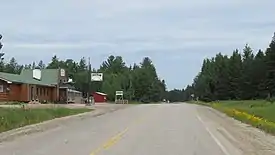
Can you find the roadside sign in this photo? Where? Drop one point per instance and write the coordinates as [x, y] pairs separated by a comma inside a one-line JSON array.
[[119, 92], [96, 76]]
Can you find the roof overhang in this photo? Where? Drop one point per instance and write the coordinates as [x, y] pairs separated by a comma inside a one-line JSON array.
[[5, 80], [43, 85], [69, 82], [63, 87], [100, 93], [74, 91]]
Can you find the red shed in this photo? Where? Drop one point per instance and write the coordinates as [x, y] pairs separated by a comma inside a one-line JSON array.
[[99, 97]]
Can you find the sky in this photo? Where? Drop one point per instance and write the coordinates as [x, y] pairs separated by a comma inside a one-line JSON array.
[[176, 34]]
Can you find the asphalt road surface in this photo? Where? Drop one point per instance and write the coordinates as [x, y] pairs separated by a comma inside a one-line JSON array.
[[156, 129]]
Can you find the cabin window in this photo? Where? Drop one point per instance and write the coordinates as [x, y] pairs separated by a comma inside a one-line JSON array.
[[1, 88]]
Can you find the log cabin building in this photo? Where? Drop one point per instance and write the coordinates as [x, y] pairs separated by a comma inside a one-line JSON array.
[[49, 85]]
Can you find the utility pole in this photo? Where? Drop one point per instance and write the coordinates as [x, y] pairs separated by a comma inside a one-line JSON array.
[[1, 45], [89, 81]]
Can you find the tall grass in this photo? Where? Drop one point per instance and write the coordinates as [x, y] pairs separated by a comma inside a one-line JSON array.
[[258, 113], [259, 108], [11, 118]]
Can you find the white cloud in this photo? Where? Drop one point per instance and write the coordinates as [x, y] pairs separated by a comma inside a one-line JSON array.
[[189, 30]]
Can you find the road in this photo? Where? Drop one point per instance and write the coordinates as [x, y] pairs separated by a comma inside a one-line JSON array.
[[154, 129]]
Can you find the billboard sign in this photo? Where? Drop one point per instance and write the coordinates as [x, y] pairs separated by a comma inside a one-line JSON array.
[[119, 93], [96, 76]]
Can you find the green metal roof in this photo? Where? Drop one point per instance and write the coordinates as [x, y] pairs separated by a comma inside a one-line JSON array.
[[49, 77], [11, 77]]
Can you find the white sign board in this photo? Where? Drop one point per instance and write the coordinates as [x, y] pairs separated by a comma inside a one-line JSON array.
[[119, 92], [62, 72], [96, 76], [70, 80], [36, 74]]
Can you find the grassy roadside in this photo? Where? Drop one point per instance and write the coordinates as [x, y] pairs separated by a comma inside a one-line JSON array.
[[199, 103], [258, 113], [11, 118]]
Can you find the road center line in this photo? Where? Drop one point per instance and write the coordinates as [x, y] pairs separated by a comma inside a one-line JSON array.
[[113, 140], [213, 137]]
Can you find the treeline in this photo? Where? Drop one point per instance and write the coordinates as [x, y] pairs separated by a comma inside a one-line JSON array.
[[178, 95], [139, 82], [244, 75]]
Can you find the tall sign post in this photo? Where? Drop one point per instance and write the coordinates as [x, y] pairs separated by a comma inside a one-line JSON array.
[[92, 77], [96, 77], [119, 98], [119, 95], [1, 45], [192, 96], [89, 83]]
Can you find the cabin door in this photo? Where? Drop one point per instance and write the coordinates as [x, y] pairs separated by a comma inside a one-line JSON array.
[[32, 93]]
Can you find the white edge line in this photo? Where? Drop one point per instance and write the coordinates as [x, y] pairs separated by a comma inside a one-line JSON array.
[[228, 134], [214, 137]]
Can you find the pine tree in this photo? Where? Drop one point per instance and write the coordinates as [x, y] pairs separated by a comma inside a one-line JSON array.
[[270, 66]]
